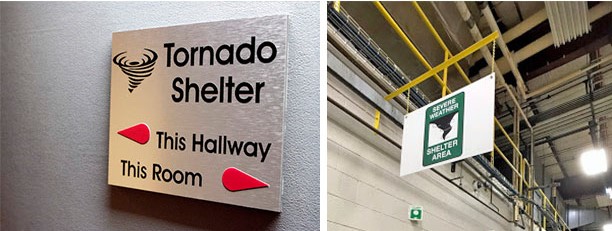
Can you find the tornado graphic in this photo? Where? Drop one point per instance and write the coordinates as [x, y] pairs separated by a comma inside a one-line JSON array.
[[136, 70]]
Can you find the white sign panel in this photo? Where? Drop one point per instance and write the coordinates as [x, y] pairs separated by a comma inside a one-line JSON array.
[[449, 129], [198, 110]]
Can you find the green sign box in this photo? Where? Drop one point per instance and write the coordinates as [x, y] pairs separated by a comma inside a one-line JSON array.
[[416, 213], [446, 141]]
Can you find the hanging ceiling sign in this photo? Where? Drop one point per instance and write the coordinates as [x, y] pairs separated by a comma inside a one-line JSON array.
[[452, 128], [198, 110]]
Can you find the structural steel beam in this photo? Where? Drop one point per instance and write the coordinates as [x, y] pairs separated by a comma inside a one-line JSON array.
[[567, 106], [553, 57], [521, 28], [471, 49], [522, 88], [572, 104], [574, 187], [565, 79], [553, 138], [525, 25], [596, 12], [555, 154], [593, 45]]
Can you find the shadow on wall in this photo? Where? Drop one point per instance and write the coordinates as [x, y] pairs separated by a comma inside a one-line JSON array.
[[190, 212]]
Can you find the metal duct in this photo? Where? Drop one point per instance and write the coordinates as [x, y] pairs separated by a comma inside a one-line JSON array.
[[568, 20]]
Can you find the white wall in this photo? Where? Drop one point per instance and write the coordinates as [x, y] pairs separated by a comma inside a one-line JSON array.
[[55, 73]]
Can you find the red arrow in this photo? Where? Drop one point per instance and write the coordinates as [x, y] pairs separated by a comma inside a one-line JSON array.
[[139, 133], [236, 180]]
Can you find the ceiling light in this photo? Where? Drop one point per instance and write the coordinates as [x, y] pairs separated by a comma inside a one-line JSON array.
[[607, 227], [594, 162]]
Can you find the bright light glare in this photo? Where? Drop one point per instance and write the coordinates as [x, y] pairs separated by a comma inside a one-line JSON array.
[[609, 192], [607, 227], [594, 162]]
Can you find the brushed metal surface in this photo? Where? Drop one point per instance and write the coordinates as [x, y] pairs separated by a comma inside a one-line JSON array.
[[151, 103]]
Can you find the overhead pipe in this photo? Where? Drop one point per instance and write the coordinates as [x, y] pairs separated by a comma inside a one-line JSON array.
[[578, 118], [555, 154], [504, 48], [593, 123], [568, 78], [547, 139], [588, 43], [570, 105], [595, 13], [568, 85], [522, 28], [525, 25], [477, 36]]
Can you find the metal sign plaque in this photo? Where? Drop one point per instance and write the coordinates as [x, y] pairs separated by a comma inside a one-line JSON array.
[[197, 110], [452, 128]]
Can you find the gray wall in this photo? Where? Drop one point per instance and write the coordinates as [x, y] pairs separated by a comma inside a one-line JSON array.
[[55, 62]]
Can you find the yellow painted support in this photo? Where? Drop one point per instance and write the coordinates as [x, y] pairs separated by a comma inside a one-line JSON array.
[[445, 75], [523, 160], [544, 208], [405, 38], [508, 137], [505, 159], [337, 6], [439, 39], [528, 169], [377, 119], [471, 49], [520, 183]]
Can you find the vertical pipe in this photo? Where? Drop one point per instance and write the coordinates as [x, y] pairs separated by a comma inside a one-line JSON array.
[[531, 176], [515, 131], [530, 194], [593, 122]]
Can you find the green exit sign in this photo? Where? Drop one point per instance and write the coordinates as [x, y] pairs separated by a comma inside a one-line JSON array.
[[416, 213]]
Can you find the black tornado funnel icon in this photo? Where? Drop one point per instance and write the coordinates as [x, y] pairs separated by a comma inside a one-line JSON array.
[[443, 123], [136, 70]]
